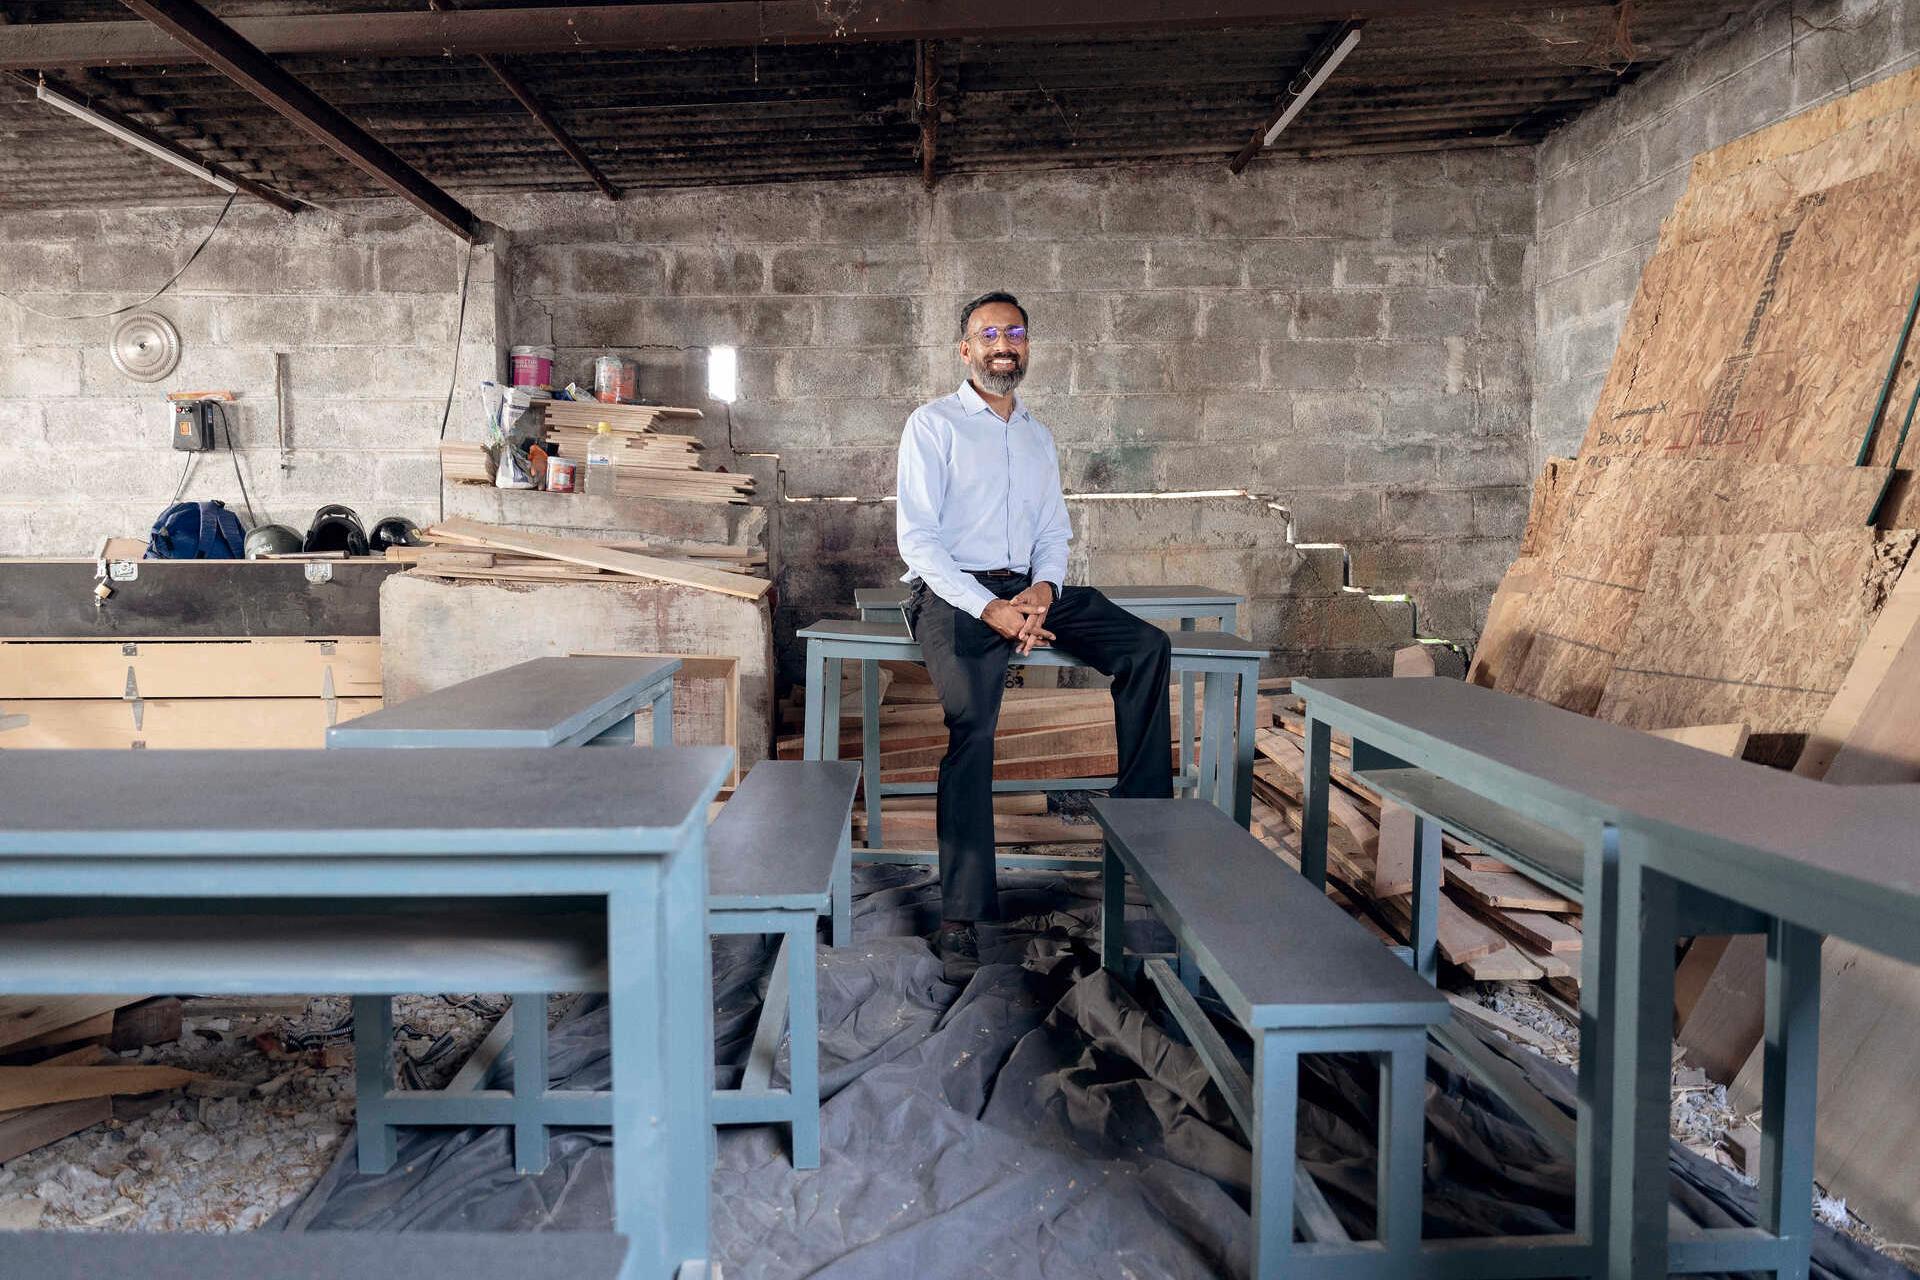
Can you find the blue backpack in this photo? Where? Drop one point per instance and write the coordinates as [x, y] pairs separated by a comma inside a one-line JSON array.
[[196, 531]]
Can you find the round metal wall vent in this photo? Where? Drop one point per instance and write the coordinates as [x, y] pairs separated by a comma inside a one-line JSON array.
[[145, 346]]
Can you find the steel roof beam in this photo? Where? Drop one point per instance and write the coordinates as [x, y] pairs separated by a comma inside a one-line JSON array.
[[213, 41], [713, 24]]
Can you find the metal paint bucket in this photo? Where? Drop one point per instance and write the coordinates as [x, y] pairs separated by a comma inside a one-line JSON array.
[[532, 366]]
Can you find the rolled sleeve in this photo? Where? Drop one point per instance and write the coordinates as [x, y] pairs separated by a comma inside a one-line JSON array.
[[920, 483]]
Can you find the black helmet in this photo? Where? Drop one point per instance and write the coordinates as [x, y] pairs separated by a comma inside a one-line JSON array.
[[336, 528], [394, 531], [270, 540]]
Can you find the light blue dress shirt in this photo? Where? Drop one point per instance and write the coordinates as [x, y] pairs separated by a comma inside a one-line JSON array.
[[978, 493]]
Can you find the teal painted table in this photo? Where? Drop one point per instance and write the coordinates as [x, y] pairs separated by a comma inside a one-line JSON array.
[[1228, 666], [368, 872], [1183, 603], [1608, 816]]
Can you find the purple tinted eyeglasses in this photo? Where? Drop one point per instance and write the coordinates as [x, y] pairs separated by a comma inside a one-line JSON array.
[[1016, 334]]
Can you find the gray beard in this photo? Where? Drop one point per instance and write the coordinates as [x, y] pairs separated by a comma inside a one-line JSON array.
[[1000, 384]]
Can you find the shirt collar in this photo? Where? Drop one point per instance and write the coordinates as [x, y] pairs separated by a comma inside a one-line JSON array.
[[971, 401]]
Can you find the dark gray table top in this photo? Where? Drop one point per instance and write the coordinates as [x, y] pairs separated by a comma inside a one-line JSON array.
[[1288, 956], [219, 803], [775, 840], [318, 1255], [1202, 644], [1834, 849], [894, 597], [532, 704]]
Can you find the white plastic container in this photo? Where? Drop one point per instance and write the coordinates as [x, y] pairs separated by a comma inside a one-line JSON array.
[[602, 449]]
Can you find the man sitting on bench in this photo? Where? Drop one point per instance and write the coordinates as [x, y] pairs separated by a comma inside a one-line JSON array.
[[983, 529]]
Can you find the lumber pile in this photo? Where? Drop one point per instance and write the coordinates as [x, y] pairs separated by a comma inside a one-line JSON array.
[[649, 463], [468, 549], [58, 1074], [1495, 923], [465, 463]]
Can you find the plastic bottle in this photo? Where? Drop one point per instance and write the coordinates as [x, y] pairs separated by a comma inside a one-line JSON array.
[[601, 475]]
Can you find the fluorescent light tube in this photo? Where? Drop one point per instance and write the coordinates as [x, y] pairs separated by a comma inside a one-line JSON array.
[[98, 121], [1327, 68]]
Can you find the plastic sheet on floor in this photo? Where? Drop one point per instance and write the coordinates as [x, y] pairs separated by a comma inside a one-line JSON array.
[[1043, 1121]]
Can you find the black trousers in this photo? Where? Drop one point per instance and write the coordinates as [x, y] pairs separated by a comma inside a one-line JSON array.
[[968, 662]]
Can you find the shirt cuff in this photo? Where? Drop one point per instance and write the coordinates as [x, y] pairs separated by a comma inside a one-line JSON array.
[[975, 602]]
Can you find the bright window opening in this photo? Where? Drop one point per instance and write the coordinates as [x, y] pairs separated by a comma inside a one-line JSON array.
[[723, 373]]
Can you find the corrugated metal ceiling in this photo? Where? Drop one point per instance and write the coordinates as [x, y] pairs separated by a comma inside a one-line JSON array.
[[722, 115]]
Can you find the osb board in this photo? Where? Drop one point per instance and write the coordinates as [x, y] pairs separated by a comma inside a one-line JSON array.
[[1502, 649], [1768, 341], [1611, 513], [1847, 136], [1755, 628], [1543, 508], [1867, 722]]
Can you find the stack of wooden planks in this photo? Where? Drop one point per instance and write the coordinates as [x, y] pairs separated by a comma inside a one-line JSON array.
[[465, 463], [1494, 924], [649, 463], [468, 549], [61, 1075]]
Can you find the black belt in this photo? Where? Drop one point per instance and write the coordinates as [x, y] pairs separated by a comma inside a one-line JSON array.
[[998, 573]]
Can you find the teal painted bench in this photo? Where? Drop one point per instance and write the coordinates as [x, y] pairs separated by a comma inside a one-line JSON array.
[[544, 702], [1302, 977], [779, 860], [779, 856]]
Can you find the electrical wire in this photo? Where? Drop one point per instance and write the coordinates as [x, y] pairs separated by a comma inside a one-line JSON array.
[[453, 375], [186, 474], [459, 327], [98, 315], [226, 429]]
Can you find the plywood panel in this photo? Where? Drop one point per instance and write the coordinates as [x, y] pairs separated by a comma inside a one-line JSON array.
[[190, 668], [1760, 629], [1740, 347], [180, 722], [1612, 513]]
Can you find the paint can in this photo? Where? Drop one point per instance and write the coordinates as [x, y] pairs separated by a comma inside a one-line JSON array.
[[532, 366], [560, 474]]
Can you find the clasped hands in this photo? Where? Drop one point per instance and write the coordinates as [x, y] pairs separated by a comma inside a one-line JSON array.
[[1020, 619]]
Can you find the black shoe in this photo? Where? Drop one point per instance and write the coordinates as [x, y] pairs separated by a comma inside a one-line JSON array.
[[959, 947]]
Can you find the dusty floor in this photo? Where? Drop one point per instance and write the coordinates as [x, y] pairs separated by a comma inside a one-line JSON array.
[[231, 1152]]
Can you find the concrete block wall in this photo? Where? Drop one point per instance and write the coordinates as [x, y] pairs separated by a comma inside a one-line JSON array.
[[1351, 340], [1608, 178], [362, 300]]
